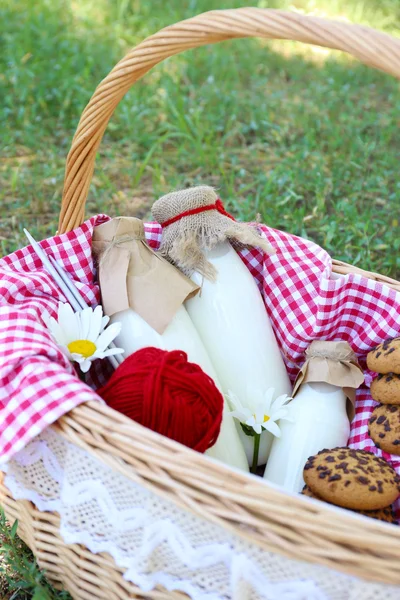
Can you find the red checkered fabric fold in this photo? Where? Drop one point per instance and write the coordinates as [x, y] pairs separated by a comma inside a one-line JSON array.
[[304, 301]]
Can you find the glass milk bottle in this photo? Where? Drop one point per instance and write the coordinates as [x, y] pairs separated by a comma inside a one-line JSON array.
[[318, 420], [319, 412], [232, 321], [179, 334], [229, 312]]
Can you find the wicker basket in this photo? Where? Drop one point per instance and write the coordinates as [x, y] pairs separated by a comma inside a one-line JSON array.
[[275, 522]]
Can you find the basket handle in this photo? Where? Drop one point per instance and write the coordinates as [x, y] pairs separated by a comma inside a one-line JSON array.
[[371, 47]]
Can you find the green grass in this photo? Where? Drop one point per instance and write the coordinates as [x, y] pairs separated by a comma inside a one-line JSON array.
[[309, 139], [20, 577]]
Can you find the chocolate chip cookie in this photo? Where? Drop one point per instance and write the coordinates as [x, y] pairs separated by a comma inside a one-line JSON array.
[[353, 479], [384, 428], [386, 388], [382, 514], [385, 358]]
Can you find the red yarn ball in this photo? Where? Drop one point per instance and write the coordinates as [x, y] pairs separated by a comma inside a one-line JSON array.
[[163, 391]]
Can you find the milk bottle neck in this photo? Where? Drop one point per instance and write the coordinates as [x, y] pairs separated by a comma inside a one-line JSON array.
[[325, 393], [219, 251]]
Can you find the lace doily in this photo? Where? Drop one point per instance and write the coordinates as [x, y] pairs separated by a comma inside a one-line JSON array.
[[158, 543]]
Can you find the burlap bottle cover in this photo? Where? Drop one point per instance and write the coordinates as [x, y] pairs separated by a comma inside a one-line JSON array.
[[334, 363], [194, 221], [133, 276]]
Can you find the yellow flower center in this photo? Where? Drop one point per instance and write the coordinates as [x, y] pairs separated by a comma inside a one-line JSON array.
[[84, 347], [266, 418]]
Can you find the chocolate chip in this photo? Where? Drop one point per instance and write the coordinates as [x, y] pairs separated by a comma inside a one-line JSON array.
[[323, 475], [348, 482], [382, 435], [381, 419], [342, 465], [389, 378], [372, 419], [390, 351], [387, 427], [378, 354], [372, 488], [353, 471], [396, 442], [330, 458], [380, 377], [363, 480], [335, 477], [363, 461], [393, 408]]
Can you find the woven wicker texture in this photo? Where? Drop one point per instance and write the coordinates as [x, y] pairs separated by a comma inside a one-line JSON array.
[[98, 577], [277, 522]]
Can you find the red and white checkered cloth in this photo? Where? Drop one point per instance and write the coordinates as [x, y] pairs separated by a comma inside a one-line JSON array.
[[38, 384]]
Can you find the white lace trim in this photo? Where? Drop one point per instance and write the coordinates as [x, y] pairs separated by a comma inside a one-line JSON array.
[[156, 542]]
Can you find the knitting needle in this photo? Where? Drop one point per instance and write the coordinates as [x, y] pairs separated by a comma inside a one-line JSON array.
[[68, 282], [57, 278], [74, 290], [51, 270]]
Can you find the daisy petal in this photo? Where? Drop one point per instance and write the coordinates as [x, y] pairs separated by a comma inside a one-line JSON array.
[[96, 323], [273, 428], [237, 414], [251, 421], [104, 322], [56, 331], [68, 322], [234, 401], [65, 351], [109, 352], [77, 357], [113, 351], [108, 336], [279, 414], [280, 402], [85, 366], [260, 413], [86, 321], [268, 396]]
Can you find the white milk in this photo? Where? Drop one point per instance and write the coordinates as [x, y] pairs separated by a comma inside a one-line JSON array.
[[182, 335], [232, 321], [319, 421]]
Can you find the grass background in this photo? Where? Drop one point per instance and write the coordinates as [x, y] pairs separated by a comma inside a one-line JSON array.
[[306, 137]]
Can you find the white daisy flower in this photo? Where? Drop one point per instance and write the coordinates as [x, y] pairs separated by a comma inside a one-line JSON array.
[[264, 412], [83, 335]]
